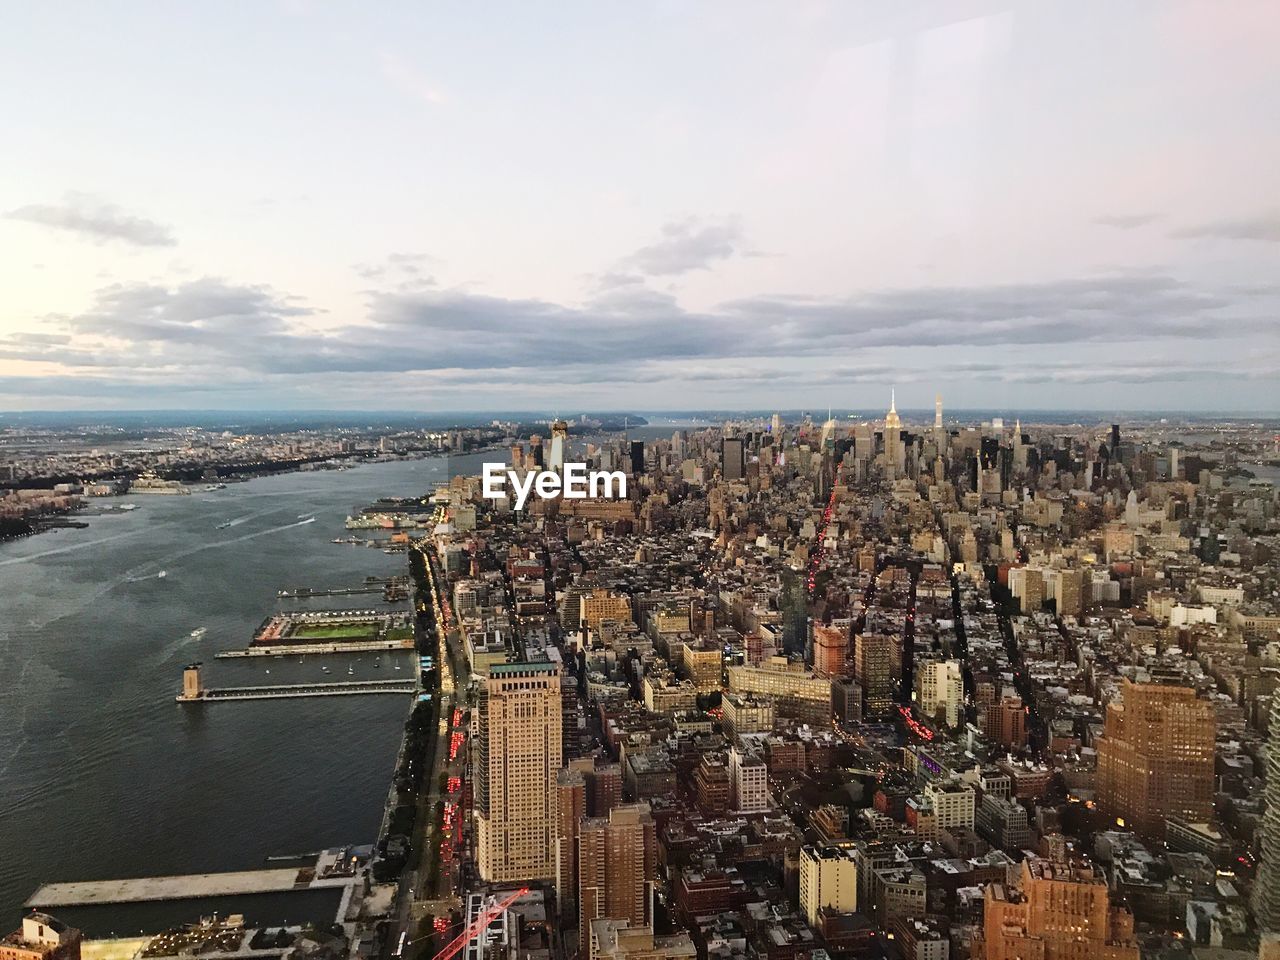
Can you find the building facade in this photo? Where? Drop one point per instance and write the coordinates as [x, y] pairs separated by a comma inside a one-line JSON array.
[[517, 763]]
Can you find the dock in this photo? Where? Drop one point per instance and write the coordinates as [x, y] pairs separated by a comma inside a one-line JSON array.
[[345, 688], [186, 887], [317, 649]]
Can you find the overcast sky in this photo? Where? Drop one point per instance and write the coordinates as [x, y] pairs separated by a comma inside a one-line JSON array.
[[648, 205]]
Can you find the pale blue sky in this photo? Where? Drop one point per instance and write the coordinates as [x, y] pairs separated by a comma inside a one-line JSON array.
[[449, 206]]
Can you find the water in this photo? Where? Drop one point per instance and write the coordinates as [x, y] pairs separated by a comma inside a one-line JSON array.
[[103, 775]]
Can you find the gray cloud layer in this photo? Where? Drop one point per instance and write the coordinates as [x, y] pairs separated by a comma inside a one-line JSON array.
[[1265, 227], [91, 218], [687, 245], [211, 332]]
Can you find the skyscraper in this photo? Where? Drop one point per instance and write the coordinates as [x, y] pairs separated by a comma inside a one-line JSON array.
[[559, 444], [518, 756], [637, 457], [1266, 888], [828, 437], [1071, 587], [1155, 758], [618, 861], [873, 669], [732, 458], [894, 453]]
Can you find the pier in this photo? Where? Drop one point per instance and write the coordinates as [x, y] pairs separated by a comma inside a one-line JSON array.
[[317, 649], [305, 593], [187, 887], [194, 690]]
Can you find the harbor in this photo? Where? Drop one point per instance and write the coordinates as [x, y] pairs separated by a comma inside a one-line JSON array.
[[215, 590]]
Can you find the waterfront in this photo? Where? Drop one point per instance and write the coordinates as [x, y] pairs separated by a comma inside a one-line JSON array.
[[102, 775]]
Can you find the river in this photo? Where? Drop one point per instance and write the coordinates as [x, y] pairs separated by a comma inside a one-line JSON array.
[[103, 775]]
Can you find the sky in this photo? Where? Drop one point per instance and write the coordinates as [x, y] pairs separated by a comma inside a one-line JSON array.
[[640, 205]]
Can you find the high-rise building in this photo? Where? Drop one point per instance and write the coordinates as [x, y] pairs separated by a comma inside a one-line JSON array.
[[41, 937], [1032, 590], [775, 427], [827, 439], [873, 669], [637, 457], [748, 781], [830, 650], [571, 806], [618, 861], [1266, 887], [732, 458], [1056, 911], [1071, 587], [559, 444], [894, 452], [1007, 721], [846, 701], [828, 878], [1155, 757], [518, 759], [940, 690]]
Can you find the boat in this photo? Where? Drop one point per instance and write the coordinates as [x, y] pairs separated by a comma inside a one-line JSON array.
[[397, 666], [377, 663], [162, 574], [324, 669], [305, 516], [199, 632], [351, 671], [223, 525], [268, 670]]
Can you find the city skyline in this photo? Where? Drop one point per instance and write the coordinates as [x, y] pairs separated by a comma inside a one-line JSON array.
[[297, 207]]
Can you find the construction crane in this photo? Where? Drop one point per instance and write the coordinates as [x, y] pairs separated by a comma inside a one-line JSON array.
[[480, 924]]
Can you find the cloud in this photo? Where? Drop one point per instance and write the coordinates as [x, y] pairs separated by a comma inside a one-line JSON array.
[[1127, 221], [1264, 227], [405, 271], [92, 218], [613, 279], [687, 245], [211, 332]]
